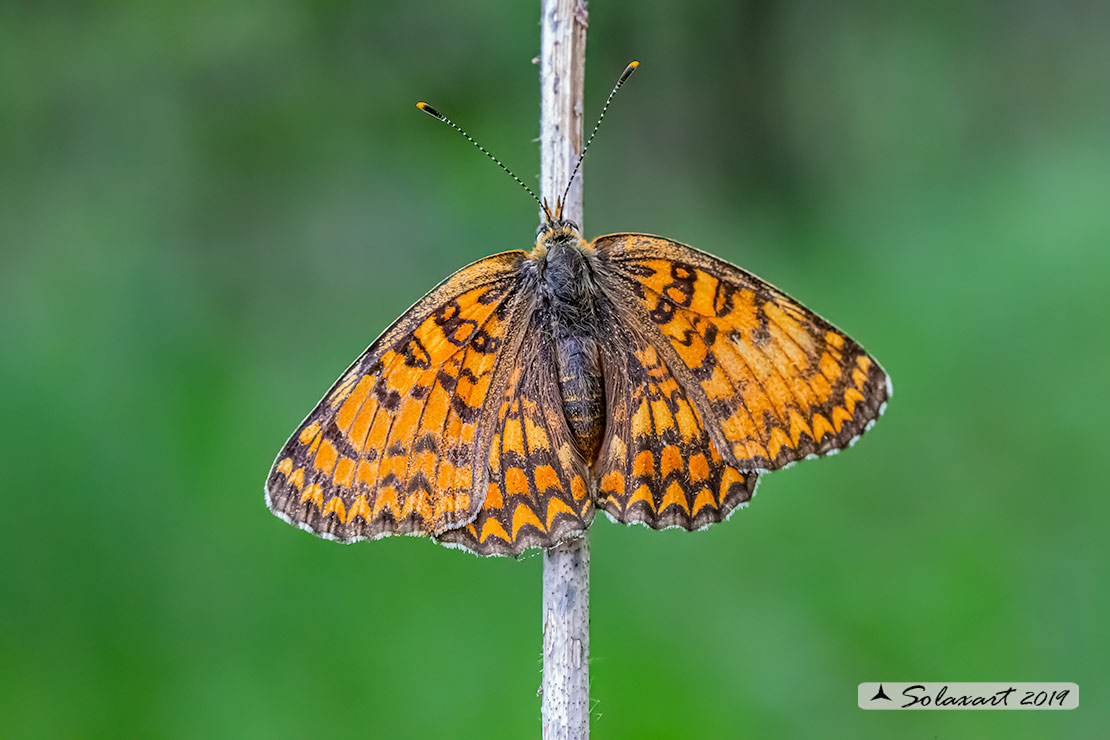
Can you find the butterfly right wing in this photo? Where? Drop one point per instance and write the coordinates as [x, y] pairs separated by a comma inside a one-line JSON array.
[[776, 382], [658, 465], [399, 444]]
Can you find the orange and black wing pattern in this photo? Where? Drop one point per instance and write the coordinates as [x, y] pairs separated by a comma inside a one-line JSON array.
[[658, 465], [773, 382], [537, 493], [400, 443]]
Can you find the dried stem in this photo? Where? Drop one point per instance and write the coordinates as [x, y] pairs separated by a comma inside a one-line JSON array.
[[565, 703]]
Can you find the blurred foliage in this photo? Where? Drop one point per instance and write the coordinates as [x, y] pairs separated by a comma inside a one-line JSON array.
[[206, 210]]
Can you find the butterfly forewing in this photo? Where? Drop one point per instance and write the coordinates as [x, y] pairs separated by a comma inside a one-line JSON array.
[[398, 445], [773, 381]]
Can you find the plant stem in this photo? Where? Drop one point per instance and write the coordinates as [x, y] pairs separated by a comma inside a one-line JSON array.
[[566, 641], [565, 705]]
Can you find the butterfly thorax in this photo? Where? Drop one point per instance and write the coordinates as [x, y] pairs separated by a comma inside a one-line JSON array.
[[567, 302]]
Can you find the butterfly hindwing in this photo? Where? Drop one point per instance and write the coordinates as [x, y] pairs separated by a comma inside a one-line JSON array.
[[537, 491], [658, 465], [774, 382], [398, 443]]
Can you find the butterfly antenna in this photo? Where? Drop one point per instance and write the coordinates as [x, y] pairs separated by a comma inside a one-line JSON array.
[[436, 114], [624, 76]]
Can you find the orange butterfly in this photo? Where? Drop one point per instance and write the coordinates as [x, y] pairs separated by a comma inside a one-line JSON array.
[[632, 374]]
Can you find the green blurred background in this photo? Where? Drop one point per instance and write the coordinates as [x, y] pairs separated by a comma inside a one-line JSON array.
[[207, 210]]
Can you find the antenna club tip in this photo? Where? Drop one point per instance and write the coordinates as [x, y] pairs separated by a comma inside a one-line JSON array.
[[627, 72], [429, 110]]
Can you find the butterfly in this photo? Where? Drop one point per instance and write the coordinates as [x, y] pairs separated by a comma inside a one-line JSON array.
[[631, 374]]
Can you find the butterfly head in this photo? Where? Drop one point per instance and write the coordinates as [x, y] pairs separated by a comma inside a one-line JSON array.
[[554, 224], [555, 230]]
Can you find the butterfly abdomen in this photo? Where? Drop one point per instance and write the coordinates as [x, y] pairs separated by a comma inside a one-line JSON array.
[[569, 298], [583, 393]]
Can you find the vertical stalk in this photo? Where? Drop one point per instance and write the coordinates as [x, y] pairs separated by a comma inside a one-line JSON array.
[[565, 708], [565, 705]]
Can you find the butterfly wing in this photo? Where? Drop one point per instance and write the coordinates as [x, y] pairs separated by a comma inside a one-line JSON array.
[[536, 493], [398, 445], [773, 381], [658, 464]]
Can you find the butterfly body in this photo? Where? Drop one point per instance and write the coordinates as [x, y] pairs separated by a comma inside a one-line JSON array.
[[568, 303], [632, 374]]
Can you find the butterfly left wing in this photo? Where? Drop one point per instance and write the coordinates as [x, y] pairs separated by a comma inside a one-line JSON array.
[[774, 381], [396, 446], [536, 494]]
